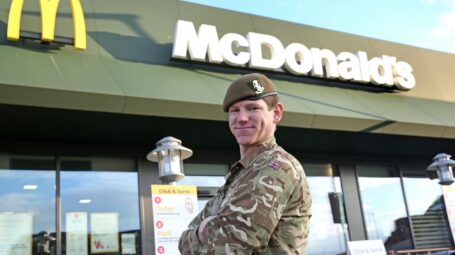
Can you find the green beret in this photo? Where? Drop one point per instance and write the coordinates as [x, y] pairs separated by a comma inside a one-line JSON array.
[[248, 87]]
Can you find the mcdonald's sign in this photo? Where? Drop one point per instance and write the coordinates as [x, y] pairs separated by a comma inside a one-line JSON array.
[[48, 10]]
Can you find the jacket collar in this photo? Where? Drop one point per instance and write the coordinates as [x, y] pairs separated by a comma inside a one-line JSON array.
[[258, 149]]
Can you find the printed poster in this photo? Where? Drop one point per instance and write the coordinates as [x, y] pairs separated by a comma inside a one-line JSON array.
[[104, 232], [367, 247], [76, 233], [128, 243], [174, 207], [16, 233]]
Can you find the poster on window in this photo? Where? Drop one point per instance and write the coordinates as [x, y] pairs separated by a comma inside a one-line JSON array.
[[16, 233], [367, 247], [128, 243], [76, 233], [449, 200], [104, 236], [173, 209]]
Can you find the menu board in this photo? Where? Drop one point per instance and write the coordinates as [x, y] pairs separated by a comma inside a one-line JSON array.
[[16, 233], [104, 232], [173, 209], [76, 233], [449, 200]]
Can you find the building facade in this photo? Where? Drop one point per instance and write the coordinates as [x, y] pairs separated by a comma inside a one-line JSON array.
[[364, 116]]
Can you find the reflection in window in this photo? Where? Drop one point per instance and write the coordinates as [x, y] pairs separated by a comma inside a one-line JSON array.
[[383, 206], [328, 229], [427, 210], [100, 206], [27, 204], [203, 181], [206, 177]]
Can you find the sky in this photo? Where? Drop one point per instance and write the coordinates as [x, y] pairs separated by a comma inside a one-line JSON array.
[[427, 24]]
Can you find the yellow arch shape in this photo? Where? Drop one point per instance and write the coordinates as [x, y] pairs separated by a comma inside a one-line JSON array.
[[14, 20], [80, 35], [48, 10]]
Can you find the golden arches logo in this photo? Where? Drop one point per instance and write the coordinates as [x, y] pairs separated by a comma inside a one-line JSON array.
[[48, 10]]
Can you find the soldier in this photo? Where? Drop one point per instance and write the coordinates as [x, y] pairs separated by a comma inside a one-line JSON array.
[[264, 206]]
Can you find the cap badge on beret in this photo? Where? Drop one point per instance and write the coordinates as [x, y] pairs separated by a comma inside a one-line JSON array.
[[256, 86]]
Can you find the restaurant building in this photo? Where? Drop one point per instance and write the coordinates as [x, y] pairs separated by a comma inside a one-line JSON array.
[[80, 111]]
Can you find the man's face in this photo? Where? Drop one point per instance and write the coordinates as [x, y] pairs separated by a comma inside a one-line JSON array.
[[251, 122]]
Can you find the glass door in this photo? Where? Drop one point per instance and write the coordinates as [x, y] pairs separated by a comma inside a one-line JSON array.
[[427, 211], [27, 205], [328, 227], [384, 206], [100, 206], [97, 197]]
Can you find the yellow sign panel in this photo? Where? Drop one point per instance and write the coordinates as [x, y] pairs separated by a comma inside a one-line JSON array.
[[174, 190], [48, 15]]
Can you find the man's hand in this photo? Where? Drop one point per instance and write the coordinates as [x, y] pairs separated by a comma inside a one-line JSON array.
[[200, 233]]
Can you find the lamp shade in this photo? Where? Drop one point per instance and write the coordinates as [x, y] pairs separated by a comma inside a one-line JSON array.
[[169, 155], [169, 143], [442, 165]]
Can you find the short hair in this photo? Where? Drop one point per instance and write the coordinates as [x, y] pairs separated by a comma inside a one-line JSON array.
[[271, 101]]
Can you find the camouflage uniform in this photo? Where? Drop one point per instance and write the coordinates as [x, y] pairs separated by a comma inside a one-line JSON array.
[[263, 208]]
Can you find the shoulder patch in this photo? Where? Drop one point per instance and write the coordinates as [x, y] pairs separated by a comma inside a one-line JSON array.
[[274, 165]]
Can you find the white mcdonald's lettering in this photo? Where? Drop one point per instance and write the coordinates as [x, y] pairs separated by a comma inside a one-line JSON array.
[[237, 50], [48, 10]]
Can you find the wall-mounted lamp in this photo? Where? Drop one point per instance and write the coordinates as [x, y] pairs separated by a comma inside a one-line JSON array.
[[169, 154], [442, 165]]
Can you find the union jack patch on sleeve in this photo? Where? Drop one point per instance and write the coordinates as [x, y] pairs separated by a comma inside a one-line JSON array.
[[274, 165]]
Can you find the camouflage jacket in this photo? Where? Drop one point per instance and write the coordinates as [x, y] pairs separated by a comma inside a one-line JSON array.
[[263, 208]]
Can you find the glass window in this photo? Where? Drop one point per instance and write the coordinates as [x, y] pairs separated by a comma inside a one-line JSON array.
[[27, 205], [426, 209], [383, 206], [100, 206], [328, 228], [206, 177]]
